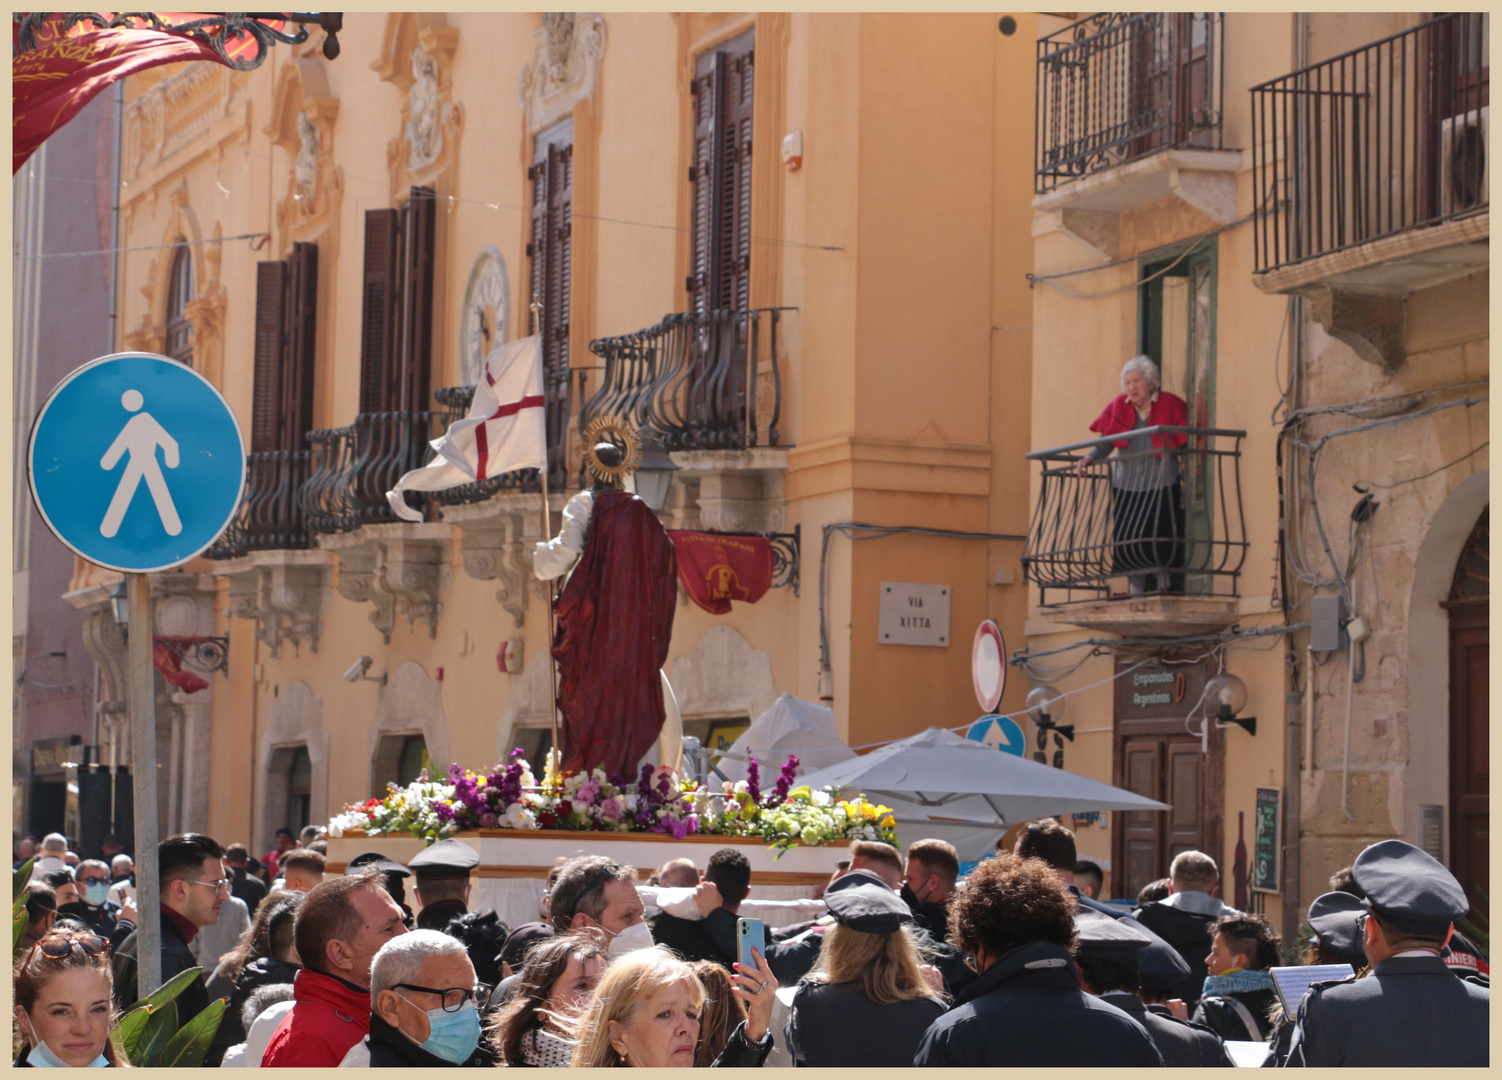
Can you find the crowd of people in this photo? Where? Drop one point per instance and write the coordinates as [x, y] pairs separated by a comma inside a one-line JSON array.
[[899, 962]]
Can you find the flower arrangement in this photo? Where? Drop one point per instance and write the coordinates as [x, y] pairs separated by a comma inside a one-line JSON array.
[[658, 800]]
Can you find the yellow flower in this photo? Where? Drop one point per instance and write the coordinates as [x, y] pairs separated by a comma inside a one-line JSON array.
[[888, 822]]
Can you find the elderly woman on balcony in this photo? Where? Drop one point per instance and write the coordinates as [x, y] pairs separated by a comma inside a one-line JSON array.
[[1147, 514]]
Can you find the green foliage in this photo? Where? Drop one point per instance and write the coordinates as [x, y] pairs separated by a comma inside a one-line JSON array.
[[187, 1048], [18, 881], [148, 1033]]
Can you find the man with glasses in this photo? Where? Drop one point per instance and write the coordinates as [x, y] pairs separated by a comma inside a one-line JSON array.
[[425, 1006], [194, 887], [93, 907], [340, 927]]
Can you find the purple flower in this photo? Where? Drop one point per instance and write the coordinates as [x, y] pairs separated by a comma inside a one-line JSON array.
[[753, 779], [443, 811], [679, 829], [488, 821]]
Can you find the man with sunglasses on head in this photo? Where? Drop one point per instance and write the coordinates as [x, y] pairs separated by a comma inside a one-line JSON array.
[[193, 887], [425, 1006]]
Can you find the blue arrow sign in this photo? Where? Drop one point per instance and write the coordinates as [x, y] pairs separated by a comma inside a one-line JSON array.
[[136, 462], [1012, 739]]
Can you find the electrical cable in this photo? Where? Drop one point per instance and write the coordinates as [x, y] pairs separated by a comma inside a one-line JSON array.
[[1360, 484]]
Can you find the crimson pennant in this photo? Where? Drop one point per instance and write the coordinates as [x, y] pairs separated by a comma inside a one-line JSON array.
[[716, 569]]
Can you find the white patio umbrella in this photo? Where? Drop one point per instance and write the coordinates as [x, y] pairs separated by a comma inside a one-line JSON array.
[[936, 769], [790, 726]]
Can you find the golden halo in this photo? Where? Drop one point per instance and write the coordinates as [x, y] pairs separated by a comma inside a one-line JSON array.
[[611, 429]]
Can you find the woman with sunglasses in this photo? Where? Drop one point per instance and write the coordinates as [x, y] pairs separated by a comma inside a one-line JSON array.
[[63, 1003]]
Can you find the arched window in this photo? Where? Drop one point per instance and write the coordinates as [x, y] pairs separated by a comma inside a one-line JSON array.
[[179, 344]]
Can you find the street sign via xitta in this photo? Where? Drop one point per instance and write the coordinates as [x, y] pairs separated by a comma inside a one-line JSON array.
[[136, 462]]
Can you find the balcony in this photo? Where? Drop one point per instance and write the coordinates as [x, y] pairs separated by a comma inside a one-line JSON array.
[[1372, 168], [354, 467], [270, 516], [1171, 519], [1130, 110]]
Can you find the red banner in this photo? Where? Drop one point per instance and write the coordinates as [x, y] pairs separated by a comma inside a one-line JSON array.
[[716, 569], [170, 666], [53, 81]]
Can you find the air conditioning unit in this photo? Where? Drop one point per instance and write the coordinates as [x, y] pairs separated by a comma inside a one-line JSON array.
[[1465, 161]]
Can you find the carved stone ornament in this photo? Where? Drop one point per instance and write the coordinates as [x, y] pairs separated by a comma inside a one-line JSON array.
[[305, 166], [399, 569], [738, 490], [485, 321], [424, 111], [498, 539], [285, 592], [567, 50]]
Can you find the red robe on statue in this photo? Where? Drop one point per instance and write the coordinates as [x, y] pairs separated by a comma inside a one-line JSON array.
[[615, 619]]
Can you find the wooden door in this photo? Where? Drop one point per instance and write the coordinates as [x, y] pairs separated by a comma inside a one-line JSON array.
[[1470, 743]]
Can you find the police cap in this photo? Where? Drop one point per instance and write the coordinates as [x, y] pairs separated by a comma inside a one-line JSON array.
[[374, 860], [864, 902], [445, 859], [1409, 888], [1332, 917], [1105, 938]]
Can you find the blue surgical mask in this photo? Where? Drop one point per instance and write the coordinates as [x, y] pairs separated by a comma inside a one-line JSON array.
[[96, 894], [42, 1057], [452, 1036]]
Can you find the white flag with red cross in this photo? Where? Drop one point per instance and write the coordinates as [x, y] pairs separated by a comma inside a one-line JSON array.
[[505, 430]]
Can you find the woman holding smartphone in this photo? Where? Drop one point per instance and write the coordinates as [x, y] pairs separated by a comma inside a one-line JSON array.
[[869, 999]]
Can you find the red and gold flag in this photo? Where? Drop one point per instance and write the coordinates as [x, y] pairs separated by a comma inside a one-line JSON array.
[[169, 665], [51, 82], [716, 569]]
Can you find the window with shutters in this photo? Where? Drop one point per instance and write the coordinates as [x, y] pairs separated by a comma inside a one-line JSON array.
[[720, 251], [286, 323], [550, 263], [179, 340], [396, 331]]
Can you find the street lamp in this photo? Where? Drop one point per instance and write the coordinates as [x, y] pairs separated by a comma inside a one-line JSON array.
[[654, 476], [119, 604], [1225, 696]]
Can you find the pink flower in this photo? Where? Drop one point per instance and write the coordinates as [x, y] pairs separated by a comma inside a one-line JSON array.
[[611, 809]]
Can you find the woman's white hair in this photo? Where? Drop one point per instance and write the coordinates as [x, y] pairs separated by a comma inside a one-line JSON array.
[[400, 960], [1145, 365]]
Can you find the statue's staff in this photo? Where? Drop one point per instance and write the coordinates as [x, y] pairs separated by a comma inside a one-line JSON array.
[[553, 587]]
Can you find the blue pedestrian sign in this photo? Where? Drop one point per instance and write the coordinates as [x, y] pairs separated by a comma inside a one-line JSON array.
[[136, 462]]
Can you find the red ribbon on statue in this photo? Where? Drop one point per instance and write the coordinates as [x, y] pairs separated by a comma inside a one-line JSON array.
[[53, 81], [169, 664], [716, 569]]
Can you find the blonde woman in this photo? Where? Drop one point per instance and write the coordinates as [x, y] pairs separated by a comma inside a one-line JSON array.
[[869, 998], [646, 1010]]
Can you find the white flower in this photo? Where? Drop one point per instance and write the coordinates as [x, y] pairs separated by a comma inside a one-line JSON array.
[[742, 787], [629, 802], [821, 798], [518, 816]]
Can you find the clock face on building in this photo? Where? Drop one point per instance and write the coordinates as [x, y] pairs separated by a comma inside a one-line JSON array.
[[486, 322]]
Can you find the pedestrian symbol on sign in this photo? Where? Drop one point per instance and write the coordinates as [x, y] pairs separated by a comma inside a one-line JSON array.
[[138, 441]]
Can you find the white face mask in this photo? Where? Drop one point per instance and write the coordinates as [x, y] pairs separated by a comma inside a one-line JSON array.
[[42, 1057], [636, 936]]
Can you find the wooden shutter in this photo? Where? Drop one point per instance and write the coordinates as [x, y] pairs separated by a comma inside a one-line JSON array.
[[560, 253], [720, 246], [378, 318], [419, 220], [271, 307], [735, 264], [302, 327], [707, 86]]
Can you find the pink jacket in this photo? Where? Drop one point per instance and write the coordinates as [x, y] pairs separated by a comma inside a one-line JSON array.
[[1167, 409]]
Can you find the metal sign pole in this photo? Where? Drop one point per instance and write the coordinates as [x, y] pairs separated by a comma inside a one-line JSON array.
[[143, 776]]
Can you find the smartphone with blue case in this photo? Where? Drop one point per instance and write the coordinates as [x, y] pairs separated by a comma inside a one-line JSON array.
[[750, 934]]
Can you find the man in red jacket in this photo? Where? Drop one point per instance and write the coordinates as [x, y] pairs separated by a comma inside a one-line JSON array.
[[340, 927]]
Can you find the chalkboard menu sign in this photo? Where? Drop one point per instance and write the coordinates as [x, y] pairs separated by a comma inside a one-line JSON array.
[[1265, 840]]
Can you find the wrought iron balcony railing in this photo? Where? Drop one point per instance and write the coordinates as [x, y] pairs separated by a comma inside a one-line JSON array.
[[457, 400], [693, 378], [1171, 518], [270, 516], [353, 467], [1119, 86], [1387, 137]]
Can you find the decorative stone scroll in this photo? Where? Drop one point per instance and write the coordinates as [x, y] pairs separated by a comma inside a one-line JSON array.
[[567, 50]]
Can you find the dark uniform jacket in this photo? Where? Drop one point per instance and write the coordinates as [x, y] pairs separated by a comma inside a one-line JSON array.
[[1217, 1013], [249, 889], [1411, 1011], [103, 920], [685, 937], [1182, 1044], [390, 1049], [1189, 933], [1014, 1014], [437, 916], [1159, 963], [836, 1025], [176, 958]]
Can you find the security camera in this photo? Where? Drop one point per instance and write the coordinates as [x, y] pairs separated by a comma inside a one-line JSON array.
[[358, 669]]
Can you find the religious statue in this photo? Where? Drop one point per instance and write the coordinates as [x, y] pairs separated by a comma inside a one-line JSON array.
[[615, 613]]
